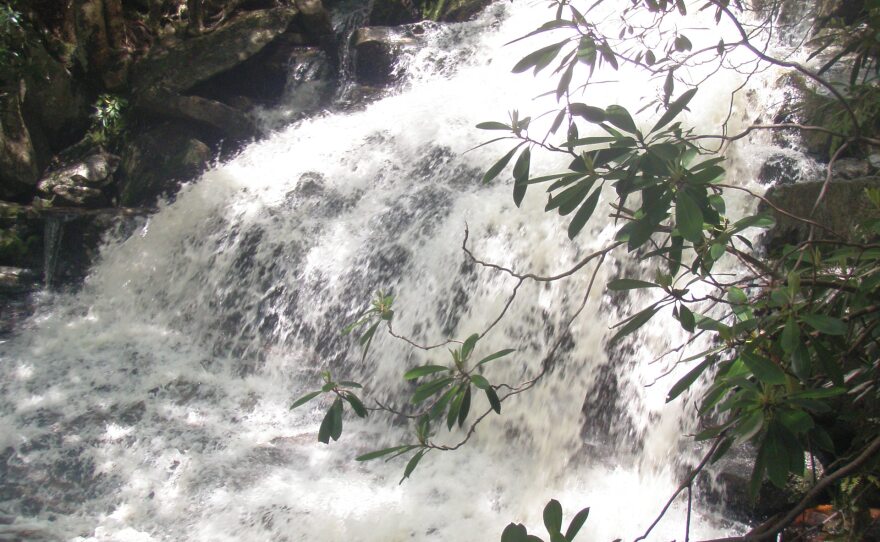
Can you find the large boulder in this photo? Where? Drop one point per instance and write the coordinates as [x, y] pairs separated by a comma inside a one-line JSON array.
[[843, 207], [155, 163], [80, 183], [182, 66], [377, 50]]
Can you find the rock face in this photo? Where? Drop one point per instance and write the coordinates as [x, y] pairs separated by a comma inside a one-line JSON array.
[[180, 68], [156, 161], [843, 207], [20, 164]]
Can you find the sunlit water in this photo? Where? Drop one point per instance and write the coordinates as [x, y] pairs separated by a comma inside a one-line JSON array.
[[153, 404]]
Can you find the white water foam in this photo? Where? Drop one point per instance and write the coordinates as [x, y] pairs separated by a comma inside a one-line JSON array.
[[153, 404]]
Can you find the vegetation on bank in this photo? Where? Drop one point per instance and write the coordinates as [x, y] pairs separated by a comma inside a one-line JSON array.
[[791, 367]]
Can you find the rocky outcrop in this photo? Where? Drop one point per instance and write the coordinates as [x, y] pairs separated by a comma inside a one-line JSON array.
[[843, 207], [155, 161], [179, 68], [228, 121]]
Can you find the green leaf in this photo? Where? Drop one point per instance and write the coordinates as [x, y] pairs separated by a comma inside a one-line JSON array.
[[468, 346], [496, 355], [430, 388], [521, 176], [440, 406], [764, 370], [418, 372], [480, 382], [590, 114], [539, 59], [716, 251], [617, 285], [576, 523], [791, 336], [326, 426], [674, 109], [336, 411], [553, 516], [499, 165], [465, 406], [379, 453], [455, 407], [801, 364], [634, 323], [305, 399], [682, 43], [350, 384], [412, 464], [620, 117], [493, 126], [688, 379], [825, 324], [749, 427], [514, 532], [688, 217], [494, 401], [356, 405], [756, 221], [584, 213], [687, 319]]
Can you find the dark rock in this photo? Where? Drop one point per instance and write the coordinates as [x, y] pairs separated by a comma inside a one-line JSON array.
[[20, 163], [229, 122], [314, 19], [393, 13], [155, 163], [463, 10], [181, 67], [377, 49], [80, 183], [55, 103], [780, 169], [74, 238], [16, 280], [850, 168], [265, 77], [843, 207]]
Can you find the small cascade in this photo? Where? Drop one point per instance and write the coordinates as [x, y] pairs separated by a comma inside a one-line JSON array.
[[53, 236]]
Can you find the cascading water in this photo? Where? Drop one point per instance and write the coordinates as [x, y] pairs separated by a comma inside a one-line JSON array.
[[153, 404]]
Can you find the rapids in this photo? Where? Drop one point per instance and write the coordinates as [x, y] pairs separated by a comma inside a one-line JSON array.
[[152, 404]]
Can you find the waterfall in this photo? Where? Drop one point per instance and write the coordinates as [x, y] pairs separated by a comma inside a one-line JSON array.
[[154, 403]]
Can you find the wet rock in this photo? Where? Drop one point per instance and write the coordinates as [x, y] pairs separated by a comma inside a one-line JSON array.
[[314, 19], [80, 183], [17, 280], [843, 207], [74, 236], [850, 168], [265, 77], [780, 169], [156, 162], [181, 67], [377, 50]]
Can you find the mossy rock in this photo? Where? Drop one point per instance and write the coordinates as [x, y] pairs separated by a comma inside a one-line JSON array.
[[844, 206], [398, 12]]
